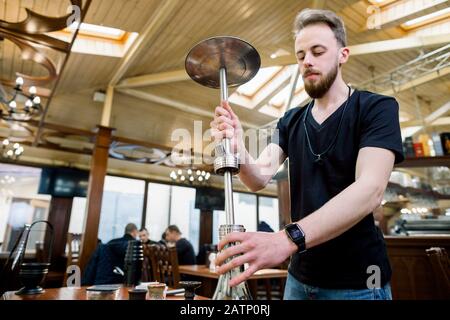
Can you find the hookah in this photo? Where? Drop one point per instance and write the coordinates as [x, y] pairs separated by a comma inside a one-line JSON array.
[[219, 63]]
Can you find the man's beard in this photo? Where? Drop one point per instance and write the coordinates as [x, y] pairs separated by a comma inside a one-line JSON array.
[[317, 90]]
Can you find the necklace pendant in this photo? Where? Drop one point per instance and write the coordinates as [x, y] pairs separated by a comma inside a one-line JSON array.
[[319, 160]]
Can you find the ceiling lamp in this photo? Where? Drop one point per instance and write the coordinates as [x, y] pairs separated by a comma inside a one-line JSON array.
[[20, 106], [190, 176], [11, 151]]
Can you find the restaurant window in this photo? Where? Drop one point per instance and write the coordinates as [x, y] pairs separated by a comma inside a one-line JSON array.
[[244, 214], [77, 215], [268, 212], [184, 215], [245, 210], [158, 207], [122, 203], [20, 204]]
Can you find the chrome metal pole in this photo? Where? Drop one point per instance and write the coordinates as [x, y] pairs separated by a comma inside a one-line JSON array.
[[226, 143]]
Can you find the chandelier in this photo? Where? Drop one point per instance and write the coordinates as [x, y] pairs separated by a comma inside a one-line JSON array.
[[20, 106], [190, 176], [11, 151]]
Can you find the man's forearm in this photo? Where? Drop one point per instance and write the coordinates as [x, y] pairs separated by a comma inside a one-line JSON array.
[[341, 212], [250, 173]]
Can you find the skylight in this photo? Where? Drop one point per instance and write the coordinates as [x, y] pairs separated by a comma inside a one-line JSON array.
[[97, 31], [280, 98], [262, 77], [427, 18], [97, 40], [381, 3]]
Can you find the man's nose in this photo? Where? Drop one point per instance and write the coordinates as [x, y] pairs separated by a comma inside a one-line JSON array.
[[308, 60]]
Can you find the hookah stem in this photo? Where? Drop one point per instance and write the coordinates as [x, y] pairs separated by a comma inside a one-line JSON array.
[[229, 208]]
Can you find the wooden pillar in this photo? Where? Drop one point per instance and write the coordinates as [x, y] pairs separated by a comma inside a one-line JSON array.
[[59, 217], [97, 175], [284, 201], [206, 225]]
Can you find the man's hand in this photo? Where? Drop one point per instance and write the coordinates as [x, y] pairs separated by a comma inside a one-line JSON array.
[[226, 124], [258, 249]]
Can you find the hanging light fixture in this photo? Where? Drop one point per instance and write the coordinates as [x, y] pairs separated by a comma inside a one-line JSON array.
[[11, 151], [20, 106], [190, 176]]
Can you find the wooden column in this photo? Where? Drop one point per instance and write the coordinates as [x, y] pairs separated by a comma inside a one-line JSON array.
[[59, 217], [284, 201], [97, 175], [206, 225]]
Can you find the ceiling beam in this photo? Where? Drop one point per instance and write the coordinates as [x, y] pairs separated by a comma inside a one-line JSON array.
[[152, 79], [432, 119], [405, 43], [398, 13], [441, 111], [153, 28], [107, 107], [175, 104], [417, 81]]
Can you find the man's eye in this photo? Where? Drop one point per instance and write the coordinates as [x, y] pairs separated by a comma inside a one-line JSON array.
[[301, 57], [318, 53]]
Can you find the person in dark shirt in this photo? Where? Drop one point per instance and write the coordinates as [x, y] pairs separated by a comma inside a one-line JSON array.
[[145, 237], [185, 250], [106, 257], [342, 147]]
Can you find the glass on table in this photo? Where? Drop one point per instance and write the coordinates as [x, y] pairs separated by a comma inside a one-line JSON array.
[[156, 291]]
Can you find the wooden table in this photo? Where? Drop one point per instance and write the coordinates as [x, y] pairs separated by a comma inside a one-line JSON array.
[[65, 293], [209, 278]]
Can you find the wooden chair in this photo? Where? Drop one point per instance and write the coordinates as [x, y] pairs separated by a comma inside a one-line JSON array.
[[147, 273], [73, 246], [164, 263], [269, 289], [440, 265]]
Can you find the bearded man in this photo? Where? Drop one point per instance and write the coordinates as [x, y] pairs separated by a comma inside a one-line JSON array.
[[342, 147]]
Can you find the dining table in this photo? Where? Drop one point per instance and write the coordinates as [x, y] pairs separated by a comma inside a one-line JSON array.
[[210, 277], [78, 293]]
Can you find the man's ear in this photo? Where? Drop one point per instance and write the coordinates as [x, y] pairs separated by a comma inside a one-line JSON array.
[[344, 55]]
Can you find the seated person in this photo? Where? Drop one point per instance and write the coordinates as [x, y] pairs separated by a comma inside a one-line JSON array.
[[185, 250], [163, 240], [264, 227], [145, 237], [106, 257]]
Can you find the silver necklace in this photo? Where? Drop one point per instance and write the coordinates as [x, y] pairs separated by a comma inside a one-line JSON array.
[[319, 156]]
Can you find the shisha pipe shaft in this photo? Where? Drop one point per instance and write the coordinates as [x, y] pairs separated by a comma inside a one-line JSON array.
[[226, 143]]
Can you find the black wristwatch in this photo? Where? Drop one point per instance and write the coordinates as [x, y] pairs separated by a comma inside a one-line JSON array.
[[296, 234]]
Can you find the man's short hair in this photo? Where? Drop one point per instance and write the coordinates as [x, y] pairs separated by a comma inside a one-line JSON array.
[[173, 228], [308, 17], [130, 228], [143, 229]]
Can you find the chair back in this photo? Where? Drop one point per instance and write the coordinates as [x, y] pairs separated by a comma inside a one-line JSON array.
[[147, 272], [164, 264], [73, 246]]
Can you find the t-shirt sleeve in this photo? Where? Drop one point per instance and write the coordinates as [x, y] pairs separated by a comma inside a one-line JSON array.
[[280, 135], [380, 127]]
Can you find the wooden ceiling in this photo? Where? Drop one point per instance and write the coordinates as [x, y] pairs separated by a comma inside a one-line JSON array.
[[138, 115]]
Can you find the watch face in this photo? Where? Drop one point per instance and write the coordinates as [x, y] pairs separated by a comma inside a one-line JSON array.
[[296, 233]]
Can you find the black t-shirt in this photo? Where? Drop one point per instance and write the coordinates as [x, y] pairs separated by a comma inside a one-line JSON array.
[[370, 120], [185, 252]]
